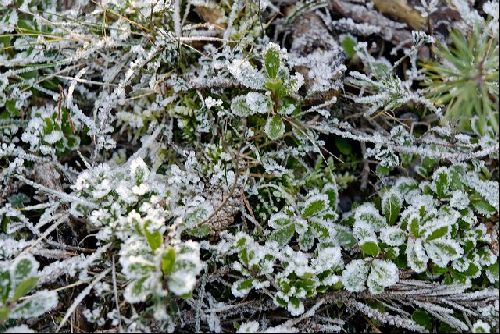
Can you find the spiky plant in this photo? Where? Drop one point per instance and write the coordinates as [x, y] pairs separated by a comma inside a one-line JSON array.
[[464, 79]]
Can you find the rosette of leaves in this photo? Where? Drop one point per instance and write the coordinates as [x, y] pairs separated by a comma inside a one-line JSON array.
[[276, 86], [311, 219]]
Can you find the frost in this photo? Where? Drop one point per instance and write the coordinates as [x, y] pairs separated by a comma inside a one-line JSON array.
[[383, 274], [354, 275]]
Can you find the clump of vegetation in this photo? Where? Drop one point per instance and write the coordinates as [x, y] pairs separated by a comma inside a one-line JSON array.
[[249, 166]]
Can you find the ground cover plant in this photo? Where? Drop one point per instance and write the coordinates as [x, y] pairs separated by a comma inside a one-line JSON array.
[[249, 166]]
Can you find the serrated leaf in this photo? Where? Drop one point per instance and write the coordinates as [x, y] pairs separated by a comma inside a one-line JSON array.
[[391, 206], [370, 248], [274, 128], [168, 260], [314, 205], [25, 286], [283, 235]]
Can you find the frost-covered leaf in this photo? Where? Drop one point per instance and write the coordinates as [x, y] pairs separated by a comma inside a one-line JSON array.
[[442, 251], [242, 287], [272, 60], [306, 240], [416, 256], [19, 329], [187, 266], [354, 275], [246, 74], [314, 205], [391, 206], [393, 236], [441, 182], [136, 291], [383, 274], [239, 107], [279, 220], [154, 238], [34, 305], [23, 267], [274, 128], [283, 235], [481, 327], [369, 214]]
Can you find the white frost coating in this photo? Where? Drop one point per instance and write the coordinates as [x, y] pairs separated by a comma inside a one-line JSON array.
[[258, 103], [34, 305], [354, 275], [416, 256], [368, 214], [183, 279], [248, 327], [383, 274], [442, 251], [240, 292], [393, 235], [481, 327], [459, 200], [246, 74], [19, 329], [328, 259]]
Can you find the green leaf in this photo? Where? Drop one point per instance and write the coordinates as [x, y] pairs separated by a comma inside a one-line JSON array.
[[200, 231], [391, 206], [154, 238], [283, 235], [10, 105], [370, 248], [422, 318], [4, 314], [441, 182], [272, 61], [24, 287], [245, 285], [314, 205], [168, 260], [4, 286], [348, 45], [343, 145], [274, 128], [438, 233]]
